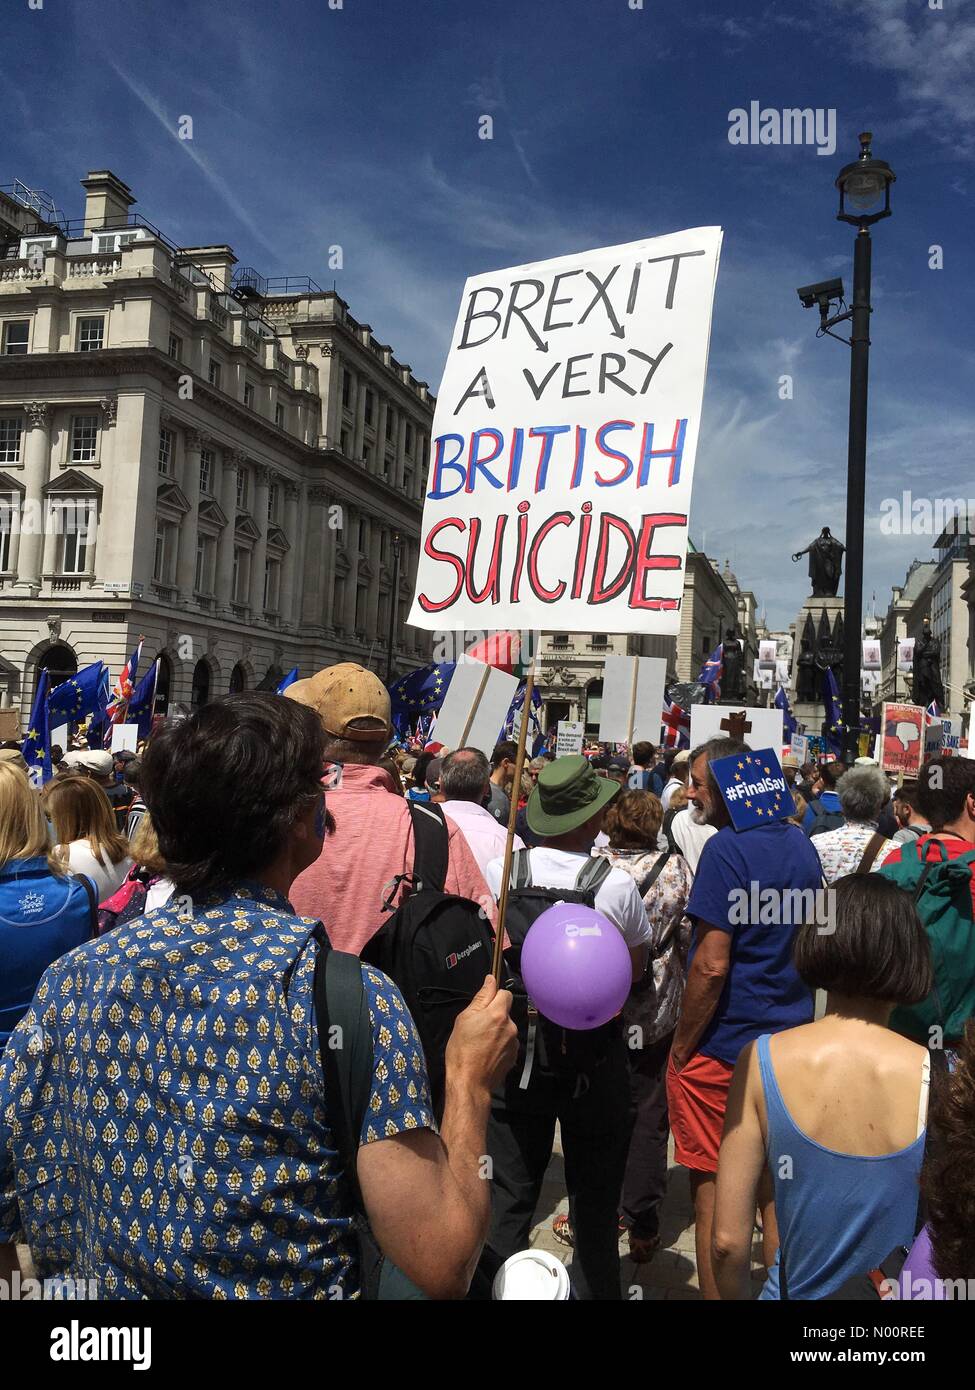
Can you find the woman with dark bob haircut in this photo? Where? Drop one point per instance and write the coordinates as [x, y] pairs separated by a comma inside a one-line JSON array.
[[836, 1108], [199, 1155]]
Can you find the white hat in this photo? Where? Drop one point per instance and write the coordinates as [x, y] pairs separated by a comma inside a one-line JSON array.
[[90, 760]]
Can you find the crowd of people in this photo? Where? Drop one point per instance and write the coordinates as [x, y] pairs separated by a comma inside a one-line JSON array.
[[179, 927]]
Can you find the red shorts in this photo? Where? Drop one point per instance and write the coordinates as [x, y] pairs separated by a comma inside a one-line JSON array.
[[697, 1097]]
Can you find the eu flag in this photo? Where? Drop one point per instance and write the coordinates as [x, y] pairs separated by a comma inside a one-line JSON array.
[[71, 701], [419, 692], [710, 677], [287, 680], [37, 745], [100, 723], [142, 700], [789, 724], [834, 717], [753, 787]]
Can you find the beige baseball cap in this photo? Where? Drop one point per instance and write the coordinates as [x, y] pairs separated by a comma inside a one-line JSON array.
[[343, 695]]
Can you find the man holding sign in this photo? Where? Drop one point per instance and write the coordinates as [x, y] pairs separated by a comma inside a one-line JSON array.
[[564, 440], [741, 980]]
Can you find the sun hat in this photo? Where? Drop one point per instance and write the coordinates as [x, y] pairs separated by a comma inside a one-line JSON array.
[[94, 760], [343, 694], [568, 792]]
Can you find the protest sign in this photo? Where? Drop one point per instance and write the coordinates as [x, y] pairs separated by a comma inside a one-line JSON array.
[[901, 738], [783, 675], [943, 735], [475, 707], [125, 736], [753, 787], [632, 700], [564, 440], [763, 676], [799, 747], [759, 728], [59, 737], [569, 737]]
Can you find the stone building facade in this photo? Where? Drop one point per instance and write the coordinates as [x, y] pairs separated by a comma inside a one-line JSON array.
[[230, 466]]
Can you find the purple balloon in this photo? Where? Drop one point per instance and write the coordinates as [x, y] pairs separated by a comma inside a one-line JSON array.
[[576, 966]]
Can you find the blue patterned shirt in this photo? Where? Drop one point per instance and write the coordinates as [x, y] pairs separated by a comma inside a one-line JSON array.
[[163, 1122]]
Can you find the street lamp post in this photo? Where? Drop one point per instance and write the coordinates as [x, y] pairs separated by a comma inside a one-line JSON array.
[[864, 189], [393, 606]]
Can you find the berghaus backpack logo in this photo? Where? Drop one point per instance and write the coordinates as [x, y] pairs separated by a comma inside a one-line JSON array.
[[456, 956]]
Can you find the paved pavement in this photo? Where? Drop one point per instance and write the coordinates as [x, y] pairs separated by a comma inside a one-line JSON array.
[[672, 1273]]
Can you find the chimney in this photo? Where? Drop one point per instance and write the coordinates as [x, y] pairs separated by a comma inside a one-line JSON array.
[[217, 261], [107, 202]]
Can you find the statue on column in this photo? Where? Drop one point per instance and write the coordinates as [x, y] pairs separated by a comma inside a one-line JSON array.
[[733, 668], [807, 679], [927, 669], [825, 562]]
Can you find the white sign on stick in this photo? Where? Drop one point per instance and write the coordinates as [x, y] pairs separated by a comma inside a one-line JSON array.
[[633, 690], [943, 735], [475, 707], [59, 737], [125, 736], [569, 737], [765, 731], [799, 747], [564, 439]]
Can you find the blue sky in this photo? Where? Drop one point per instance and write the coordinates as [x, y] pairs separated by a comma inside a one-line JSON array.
[[358, 127]]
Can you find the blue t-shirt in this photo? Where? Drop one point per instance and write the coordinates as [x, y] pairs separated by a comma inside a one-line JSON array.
[[763, 992], [42, 915], [829, 804]]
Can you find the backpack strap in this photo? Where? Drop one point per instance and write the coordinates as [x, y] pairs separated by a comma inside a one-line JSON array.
[[521, 869], [870, 851], [596, 868], [431, 843], [89, 888], [340, 1002]]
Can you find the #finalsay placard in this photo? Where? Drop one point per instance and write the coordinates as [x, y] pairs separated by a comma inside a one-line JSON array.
[[564, 441]]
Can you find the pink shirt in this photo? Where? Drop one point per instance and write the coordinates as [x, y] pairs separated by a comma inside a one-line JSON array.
[[485, 835], [372, 843]]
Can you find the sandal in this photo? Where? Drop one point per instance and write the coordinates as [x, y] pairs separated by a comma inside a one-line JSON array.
[[643, 1248], [562, 1230]]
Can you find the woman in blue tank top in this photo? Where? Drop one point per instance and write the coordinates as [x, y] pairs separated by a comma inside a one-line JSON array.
[[834, 1110]]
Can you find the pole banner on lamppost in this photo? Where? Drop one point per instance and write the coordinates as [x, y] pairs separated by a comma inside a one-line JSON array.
[[564, 441]]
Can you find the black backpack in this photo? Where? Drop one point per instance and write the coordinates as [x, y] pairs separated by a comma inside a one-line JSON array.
[[824, 820], [545, 1048], [436, 946]]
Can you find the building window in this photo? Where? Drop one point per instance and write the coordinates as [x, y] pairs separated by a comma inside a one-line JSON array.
[[206, 472], [344, 442], [84, 438], [272, 502], [408, 482], [409, 438], [11, 428], [74, 523], [7, 505], [560, 639], [346, 389], [165, 551], [361, 535], [390, 421], [213, 373], [249, 394], [175, 348], [272, 576], [367, 413], [165, 453], [600, 639], [241, 575], [91, 334], [279, 416], [241, 489], [367, 455], [15, 335], [204, 555]]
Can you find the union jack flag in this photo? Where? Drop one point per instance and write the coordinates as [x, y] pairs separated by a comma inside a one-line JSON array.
[[710, 677], [932, 714], [675, 726], [122, 692]]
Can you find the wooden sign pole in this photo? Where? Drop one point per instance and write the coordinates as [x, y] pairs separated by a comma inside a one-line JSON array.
[[629, 727], [512, 820]]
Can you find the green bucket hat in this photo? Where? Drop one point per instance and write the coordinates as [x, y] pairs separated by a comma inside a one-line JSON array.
[[566, 794]]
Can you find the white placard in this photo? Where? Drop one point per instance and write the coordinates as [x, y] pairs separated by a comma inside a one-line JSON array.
[[768, 652], [905, 654], [58, 738], [799, 747], [943, 735], [765, 732], [125, 736], [564, 439], [869, 682], [569, 737], [619, 673], [783, 675], [475, 707], [871, 655]]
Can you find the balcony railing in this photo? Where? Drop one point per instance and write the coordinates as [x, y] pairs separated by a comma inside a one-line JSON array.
[[19, 270], [95, 266]]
